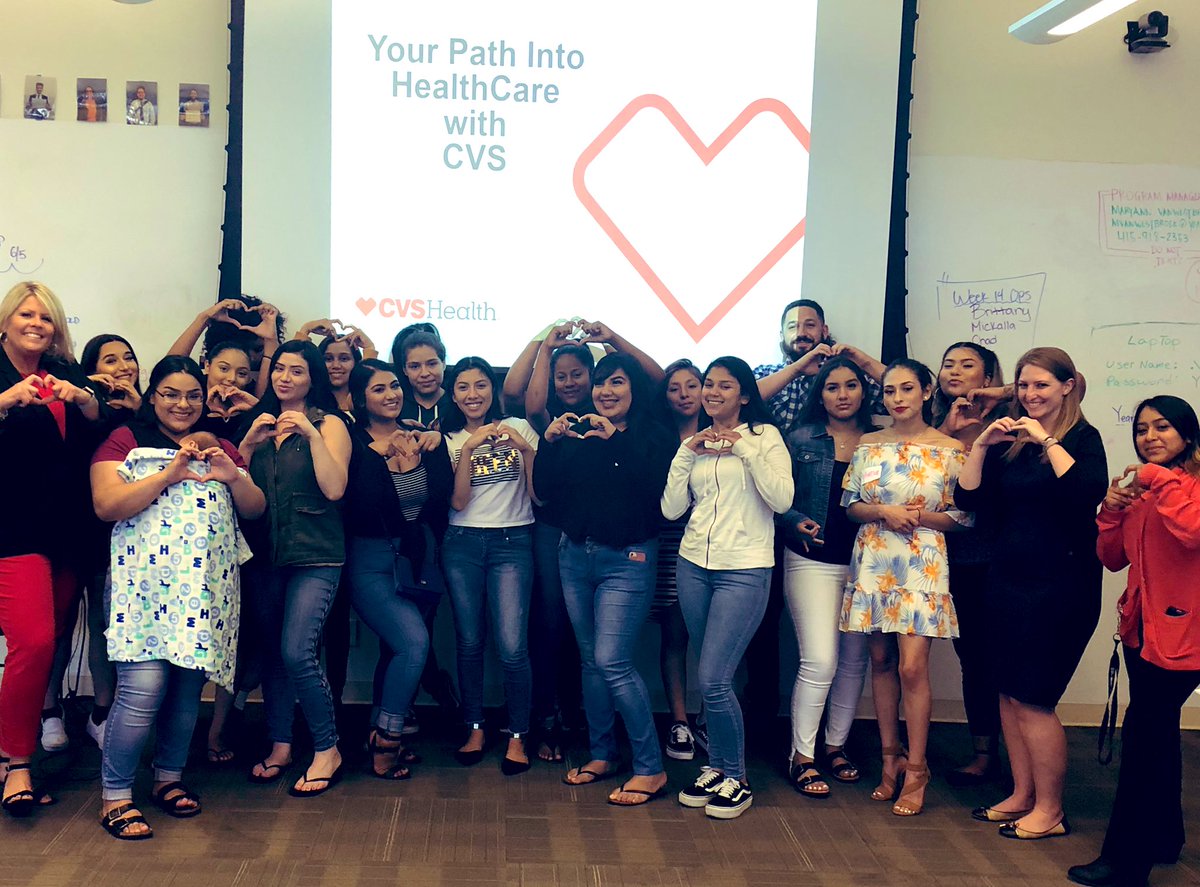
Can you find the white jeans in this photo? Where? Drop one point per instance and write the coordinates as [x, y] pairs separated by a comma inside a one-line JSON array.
[[833, 664]]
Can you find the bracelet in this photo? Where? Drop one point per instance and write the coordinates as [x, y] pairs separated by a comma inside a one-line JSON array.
[[1050, 442]]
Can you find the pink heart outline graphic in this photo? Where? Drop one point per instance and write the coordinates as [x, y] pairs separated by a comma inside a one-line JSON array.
[[696, 329]]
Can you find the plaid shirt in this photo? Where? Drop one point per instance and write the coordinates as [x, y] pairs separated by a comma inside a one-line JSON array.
[[785, 406]]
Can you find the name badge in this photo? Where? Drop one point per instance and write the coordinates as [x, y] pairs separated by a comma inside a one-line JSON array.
[[872, 474]]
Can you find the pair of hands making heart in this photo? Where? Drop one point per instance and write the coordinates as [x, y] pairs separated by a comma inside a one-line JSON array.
[[221, 468], [407, 444], [581, 427], [721, 442], [229, 400], [267, 313], [325, 327], [267, 426], [1124, 490], [121, 393], [496, 433], [1024, 429], [38, 390], [970, 410], [578, 332]]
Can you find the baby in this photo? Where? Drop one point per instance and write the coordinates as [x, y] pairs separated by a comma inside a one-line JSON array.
[[201, 440]]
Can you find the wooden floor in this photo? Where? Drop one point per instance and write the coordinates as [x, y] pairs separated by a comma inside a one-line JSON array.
[[455, 826]]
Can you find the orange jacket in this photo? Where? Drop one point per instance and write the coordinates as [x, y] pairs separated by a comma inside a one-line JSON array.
[[1158, 538]]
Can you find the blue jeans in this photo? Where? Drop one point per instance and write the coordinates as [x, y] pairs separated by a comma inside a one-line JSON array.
[[547, 622], [293, 603], [490, 570], [608, 594], [149, 694], [722, 609], [397, 620]]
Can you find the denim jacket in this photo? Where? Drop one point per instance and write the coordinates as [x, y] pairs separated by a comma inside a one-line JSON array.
[[812, 450]]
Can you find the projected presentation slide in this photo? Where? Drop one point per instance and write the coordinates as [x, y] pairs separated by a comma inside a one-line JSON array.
[[498, 167]]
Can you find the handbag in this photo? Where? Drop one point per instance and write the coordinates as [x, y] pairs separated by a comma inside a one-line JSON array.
[[423, 587]]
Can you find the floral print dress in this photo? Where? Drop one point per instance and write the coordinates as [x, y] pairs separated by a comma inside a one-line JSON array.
[[899, 582]]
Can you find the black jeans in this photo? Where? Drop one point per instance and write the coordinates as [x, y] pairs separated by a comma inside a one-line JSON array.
[[1146, 826]]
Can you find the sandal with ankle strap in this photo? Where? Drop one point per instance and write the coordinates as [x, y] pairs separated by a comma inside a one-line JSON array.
[[886, 790], [916, 779], [397, 771]]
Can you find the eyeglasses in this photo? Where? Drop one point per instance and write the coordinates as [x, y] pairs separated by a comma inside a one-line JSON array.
[[170, 398]]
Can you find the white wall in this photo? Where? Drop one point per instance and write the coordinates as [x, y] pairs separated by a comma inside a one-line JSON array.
[[985, 96], [122, 222]]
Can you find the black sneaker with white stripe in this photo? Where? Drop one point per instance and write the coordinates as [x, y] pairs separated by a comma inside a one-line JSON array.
[[729, 800], [700, 792], [680, 744]]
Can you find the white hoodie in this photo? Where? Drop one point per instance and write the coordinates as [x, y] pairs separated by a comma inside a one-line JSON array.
[[736, 492]]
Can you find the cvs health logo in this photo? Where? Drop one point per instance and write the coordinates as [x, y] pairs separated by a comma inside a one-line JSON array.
[[417, 309]]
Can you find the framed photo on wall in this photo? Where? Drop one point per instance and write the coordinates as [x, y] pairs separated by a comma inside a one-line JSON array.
[[41, 96], [193, 104], [141, 103], [91, 99]]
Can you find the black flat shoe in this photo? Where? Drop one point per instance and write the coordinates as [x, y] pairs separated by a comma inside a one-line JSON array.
[[509, 767], [987, 814], [473, 757]]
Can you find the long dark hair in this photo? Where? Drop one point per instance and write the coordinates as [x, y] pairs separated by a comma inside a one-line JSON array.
[[89, 360], [669, 417], [1182, 417], [168, 366], [641, 404], [425, 334], [320, 394], [360, 378], [813, 411], [991, 370], [754, 412], [583, 354], [924, 379], [454, 420]]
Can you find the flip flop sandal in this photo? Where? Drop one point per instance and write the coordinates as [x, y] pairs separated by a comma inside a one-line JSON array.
[[330, 781], [174, 806], [596, 777], [646, 797], [804, 776], [268, 778], [220, 755], [118, 820]]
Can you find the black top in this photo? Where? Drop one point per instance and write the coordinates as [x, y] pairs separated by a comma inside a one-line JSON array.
[[372, 508], [606, 490], [232, 429], [428, 417], [50, 512], [1032, 518], [839, 531]]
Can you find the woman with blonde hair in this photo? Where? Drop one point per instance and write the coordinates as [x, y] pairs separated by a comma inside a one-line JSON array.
[[46, 405], [1034, 481]]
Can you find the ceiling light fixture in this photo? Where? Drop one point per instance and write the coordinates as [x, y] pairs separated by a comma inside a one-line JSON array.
[[1062, 18]]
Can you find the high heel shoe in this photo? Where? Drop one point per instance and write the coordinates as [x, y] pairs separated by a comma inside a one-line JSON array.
[[916, 779], [886, 790], [18, 804], [398, 769], [470, 757]]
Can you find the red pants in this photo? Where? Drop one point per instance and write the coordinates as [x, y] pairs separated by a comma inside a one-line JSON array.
[[33, 599]]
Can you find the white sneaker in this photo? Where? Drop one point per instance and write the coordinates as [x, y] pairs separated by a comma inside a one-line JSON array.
[[54, 734], [96, 731]]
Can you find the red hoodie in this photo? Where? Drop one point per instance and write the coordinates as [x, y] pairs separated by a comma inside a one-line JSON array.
[[1158, 538]]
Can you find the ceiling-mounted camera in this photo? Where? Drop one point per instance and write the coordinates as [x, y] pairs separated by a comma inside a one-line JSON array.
[[1147, 33]]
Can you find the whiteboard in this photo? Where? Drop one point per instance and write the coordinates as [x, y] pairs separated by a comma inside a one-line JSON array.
[[1102, 260]]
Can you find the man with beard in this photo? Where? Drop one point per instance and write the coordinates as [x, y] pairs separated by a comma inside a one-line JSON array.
[[805, 342]]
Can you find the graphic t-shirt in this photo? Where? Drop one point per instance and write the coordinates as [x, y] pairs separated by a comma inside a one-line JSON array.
[[499, 496]]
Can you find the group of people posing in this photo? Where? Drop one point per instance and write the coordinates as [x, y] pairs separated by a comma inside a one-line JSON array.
[[220, 516]]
